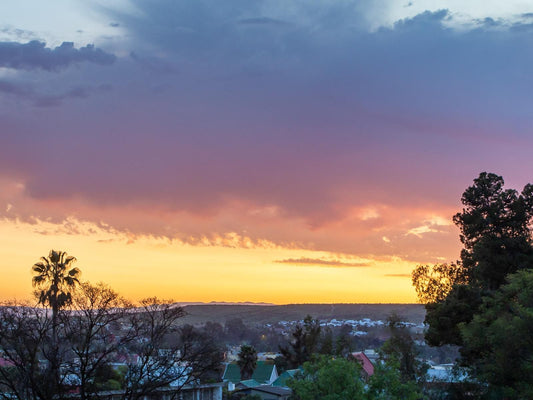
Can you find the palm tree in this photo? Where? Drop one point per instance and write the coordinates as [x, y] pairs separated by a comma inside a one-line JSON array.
[[55, 279], [247, 361]]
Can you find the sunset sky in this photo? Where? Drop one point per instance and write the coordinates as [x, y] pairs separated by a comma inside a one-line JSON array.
[[284, 151]]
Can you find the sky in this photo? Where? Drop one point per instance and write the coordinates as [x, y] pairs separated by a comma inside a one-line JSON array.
[[280, 151]]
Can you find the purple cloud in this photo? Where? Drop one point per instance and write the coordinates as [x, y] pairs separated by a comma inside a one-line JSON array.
[[305, 122], [35, 55]]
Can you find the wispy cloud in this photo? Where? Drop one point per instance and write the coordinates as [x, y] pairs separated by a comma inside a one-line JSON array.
[[322, 262]]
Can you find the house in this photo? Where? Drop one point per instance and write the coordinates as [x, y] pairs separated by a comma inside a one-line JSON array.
[[264, 373], [249, 383], [207, 391], [366, 365]]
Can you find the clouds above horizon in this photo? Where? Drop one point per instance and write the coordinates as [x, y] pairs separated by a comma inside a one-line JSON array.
[[277, 121]]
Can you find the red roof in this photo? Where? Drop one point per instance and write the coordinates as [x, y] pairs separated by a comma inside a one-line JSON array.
[[367, 365]]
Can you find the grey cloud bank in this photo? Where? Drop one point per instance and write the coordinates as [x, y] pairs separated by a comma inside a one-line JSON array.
[[35, 55]]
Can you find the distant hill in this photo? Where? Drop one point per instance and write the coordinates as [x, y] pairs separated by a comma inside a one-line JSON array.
[[258, 314]]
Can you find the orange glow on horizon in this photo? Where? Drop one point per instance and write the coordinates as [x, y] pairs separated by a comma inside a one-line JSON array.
[[186, 273]]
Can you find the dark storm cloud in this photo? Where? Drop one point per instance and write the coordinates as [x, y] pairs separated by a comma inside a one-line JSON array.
[[352, 100], [303, 120], [35, 55], [324, 89]]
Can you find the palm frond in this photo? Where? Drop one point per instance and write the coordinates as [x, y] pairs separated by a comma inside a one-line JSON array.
[[55, 278]]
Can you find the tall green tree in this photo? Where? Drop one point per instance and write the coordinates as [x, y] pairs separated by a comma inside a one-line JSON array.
[[326, 341], [498, 345], [343, 342], [491, 320], [495, 229], [55, 279], [401, 349], [495, 226]]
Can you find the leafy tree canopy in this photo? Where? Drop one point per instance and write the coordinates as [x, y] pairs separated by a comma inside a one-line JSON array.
[[495, 226], [498, 346], [495, 230], [387, 383], [328, 378]]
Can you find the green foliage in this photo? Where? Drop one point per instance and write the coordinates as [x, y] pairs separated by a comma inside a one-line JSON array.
[[387, 383], [495, 230], [443, 318], [326, 341], [495, 227], [434, 283], [304, 343], [498, 343], [281, 364], [401, 352], [312, 334], [490, 319], [108, 378], [328, 378], [343, 344]]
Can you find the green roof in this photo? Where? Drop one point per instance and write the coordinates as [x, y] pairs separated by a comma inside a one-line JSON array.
[[232, 373], [250, 383], [262, 372], [282, 379]]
